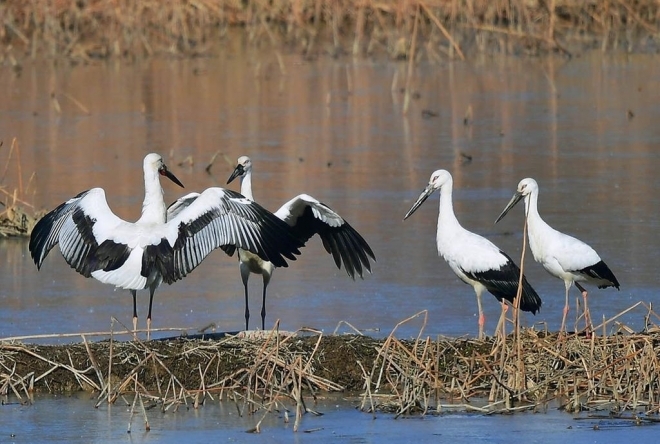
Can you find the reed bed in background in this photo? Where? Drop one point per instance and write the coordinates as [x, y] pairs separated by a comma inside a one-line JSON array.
[[84, 30], [17, 215]]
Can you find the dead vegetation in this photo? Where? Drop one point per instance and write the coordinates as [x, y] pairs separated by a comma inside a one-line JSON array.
[[17, 214], [284, 372], [271, 371], [92, 29], [524, 370]]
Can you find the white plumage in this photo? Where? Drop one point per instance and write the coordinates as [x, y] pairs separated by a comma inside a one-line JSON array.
[[563, 256], [474, 259], [305, 217], [97, 243]]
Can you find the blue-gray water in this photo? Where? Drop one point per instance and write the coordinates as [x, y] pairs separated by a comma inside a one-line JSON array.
[[585, 129], [75, 420]]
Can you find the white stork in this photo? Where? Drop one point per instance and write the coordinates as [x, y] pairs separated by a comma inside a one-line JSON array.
[[306, 217], [563, 256], [474, 259], [134, 256]]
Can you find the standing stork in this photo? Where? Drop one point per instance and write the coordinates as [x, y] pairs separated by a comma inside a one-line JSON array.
[[563, 256], [134, 256], [305, 217], [474, 259]]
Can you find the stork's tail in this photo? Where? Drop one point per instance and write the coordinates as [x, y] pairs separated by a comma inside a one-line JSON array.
[[530, 300]]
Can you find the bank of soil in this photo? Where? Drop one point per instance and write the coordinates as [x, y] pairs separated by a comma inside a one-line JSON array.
[[521, 371], [335, 359]]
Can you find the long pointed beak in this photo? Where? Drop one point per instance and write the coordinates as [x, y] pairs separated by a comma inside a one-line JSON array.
[[238, 171], [514, 200], [420, 200], [165, 172]]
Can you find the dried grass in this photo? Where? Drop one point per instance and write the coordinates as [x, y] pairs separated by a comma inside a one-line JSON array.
[[504, 374], [137, 28], [284, 372], [269, 372], [17, 215]]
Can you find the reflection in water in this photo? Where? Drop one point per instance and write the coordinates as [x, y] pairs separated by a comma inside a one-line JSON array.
[[73, 419], [585, 130]]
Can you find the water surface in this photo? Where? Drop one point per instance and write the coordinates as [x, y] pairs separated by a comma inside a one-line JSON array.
[[586, 129], [75, 420]]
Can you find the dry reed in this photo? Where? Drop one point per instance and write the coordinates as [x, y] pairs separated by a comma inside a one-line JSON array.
[[446, 28], [17, 215], [523, 371], [269, 372], [284, 372]]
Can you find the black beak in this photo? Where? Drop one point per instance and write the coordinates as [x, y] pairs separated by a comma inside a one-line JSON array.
[[165, 172], [420, 200], [514, 200], [238, 171]]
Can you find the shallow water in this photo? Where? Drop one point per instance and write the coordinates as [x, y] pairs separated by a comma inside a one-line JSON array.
[[586, 129], [74, 419]]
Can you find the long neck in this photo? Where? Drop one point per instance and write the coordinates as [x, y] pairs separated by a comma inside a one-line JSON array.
[[446, 216], [531, 210], [537, 229], [153, 207], [246, 184]]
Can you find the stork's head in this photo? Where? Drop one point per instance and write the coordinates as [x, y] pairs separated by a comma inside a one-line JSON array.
[[154, 162], [438, 179], [526, 187], [244, 166]]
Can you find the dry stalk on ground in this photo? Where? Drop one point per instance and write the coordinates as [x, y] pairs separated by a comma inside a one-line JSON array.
[[271, 372], [284, 372], [582, 372]]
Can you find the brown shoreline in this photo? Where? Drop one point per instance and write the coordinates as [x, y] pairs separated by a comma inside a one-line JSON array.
[[617, 373]]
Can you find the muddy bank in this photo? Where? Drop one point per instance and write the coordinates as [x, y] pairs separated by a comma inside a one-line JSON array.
[[52, 367], [524, 371]]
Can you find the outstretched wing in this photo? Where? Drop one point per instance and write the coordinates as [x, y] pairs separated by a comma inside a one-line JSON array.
[[307, 216], [180, 204], [78, 226], [184, 202], [218, 218]]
